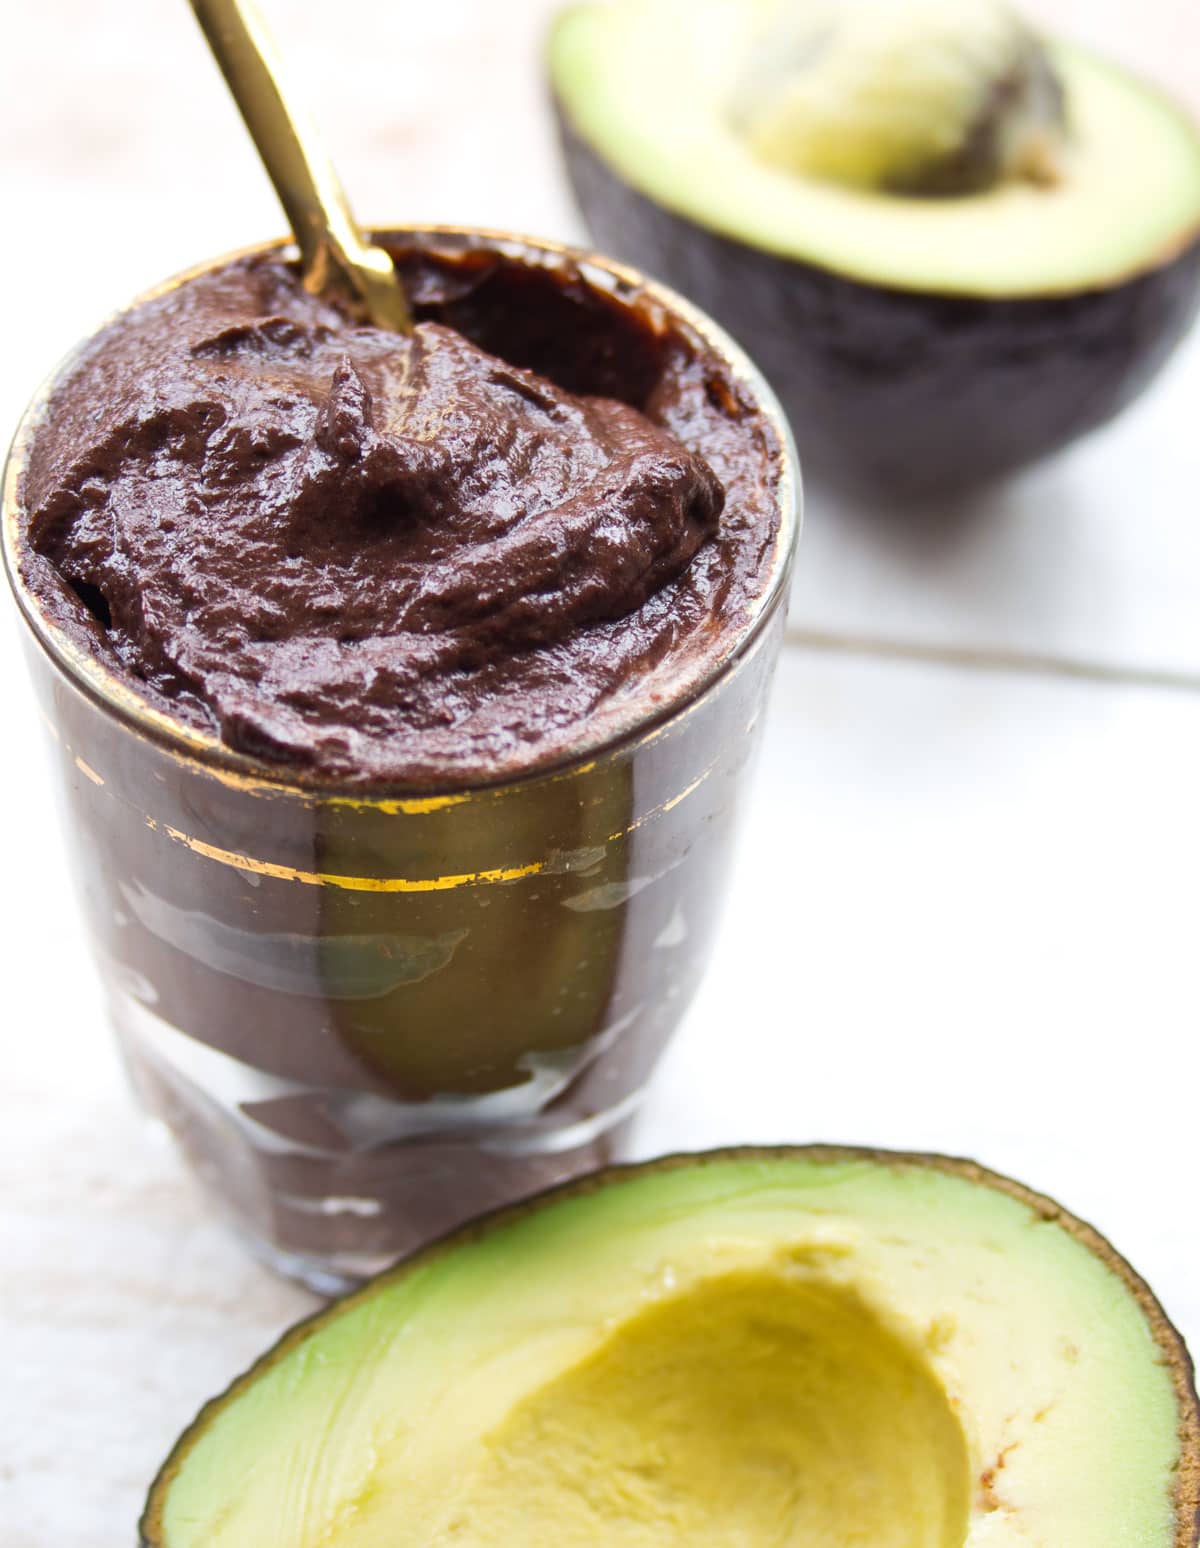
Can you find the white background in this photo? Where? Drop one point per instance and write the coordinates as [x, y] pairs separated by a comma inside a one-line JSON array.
[[966, 911]]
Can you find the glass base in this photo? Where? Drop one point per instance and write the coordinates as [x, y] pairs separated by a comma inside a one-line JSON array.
[[330, 1201], [336, 1273]]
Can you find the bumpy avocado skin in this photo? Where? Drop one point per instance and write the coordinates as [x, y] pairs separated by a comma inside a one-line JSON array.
[[900, 394]]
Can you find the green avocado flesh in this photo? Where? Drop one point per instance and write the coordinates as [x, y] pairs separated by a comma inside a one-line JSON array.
[[804, 1349], [658, 89]]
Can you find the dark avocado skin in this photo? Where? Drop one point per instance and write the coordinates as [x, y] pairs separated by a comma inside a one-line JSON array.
[[899, 393], [1172, 1349]]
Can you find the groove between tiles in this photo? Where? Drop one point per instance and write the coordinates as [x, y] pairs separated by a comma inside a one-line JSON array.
[[989, 659]]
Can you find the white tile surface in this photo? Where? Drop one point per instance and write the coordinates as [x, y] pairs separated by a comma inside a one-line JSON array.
[[965, 915], [964, 920]]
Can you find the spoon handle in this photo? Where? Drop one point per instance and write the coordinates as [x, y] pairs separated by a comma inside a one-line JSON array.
[[332, 248]]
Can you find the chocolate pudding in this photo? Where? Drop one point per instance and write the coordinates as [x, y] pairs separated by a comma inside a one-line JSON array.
[[404, 690], [399, 560]]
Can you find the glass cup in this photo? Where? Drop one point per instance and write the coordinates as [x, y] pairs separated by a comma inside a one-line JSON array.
[[368, 1017]]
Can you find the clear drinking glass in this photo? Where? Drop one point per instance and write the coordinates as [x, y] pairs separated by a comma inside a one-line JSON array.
[[365, 1018]]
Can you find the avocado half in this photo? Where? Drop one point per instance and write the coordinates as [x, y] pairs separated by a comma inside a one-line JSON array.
[[814, 1347], [919, 343]]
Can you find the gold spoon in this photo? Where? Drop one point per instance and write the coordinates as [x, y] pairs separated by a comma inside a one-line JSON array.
[[333, 251]]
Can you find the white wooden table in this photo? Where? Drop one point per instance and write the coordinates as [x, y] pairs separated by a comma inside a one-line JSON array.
[[966, 911]]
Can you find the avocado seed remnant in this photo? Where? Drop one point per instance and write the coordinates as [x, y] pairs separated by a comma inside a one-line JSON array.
[[920, 97]]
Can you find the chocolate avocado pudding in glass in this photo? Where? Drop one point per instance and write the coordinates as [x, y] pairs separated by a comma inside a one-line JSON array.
[[403, 690]]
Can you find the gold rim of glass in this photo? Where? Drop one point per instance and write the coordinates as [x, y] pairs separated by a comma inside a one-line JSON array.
[[205, 748]]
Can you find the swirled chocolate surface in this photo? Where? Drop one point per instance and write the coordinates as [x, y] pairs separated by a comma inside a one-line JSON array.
[[437, 558]]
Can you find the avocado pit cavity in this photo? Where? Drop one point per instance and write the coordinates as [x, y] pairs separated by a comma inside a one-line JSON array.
[[918, 97], [759, 1407]]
